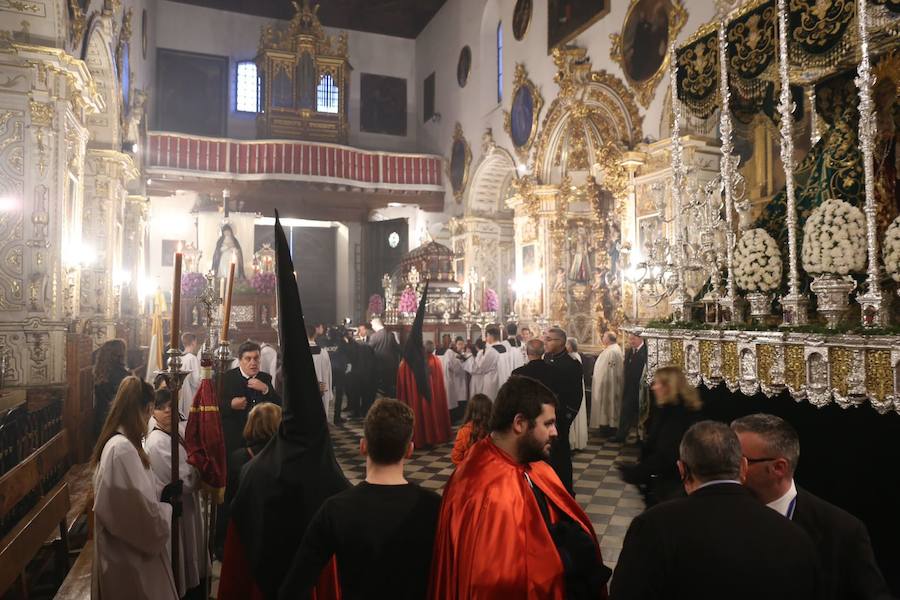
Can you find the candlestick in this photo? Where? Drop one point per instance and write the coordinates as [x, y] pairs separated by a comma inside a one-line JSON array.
[[226, 316], [176, 300]]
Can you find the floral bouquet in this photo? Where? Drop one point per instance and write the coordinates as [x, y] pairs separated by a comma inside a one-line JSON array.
[[757, 262], [263, 283], [891, 251], [192, 285], [834, 239], [408, 301], [491, 301], [376, 305]]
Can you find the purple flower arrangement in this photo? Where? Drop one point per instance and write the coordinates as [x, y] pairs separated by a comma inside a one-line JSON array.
[[491, 301], [376, 304], [192, 285], [263, 283], [408, 301]]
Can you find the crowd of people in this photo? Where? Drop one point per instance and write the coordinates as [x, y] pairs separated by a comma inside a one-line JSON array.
[[721, 500]]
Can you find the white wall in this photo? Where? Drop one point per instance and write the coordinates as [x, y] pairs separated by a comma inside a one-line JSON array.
[[209, 31]]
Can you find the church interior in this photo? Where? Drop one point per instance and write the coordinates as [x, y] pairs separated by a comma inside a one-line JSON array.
[[719, 177]]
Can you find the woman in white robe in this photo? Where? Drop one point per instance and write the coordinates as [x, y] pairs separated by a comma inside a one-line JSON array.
[[131, 524], [194, 562], [578, 433]]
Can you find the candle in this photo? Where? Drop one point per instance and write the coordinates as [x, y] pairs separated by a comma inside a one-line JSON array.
[[470, 296], [483, 297], [176, 300], [222, 288], [226, 316]]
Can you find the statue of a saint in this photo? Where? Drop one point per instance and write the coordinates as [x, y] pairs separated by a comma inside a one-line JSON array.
[[581, 267], [227, 246]]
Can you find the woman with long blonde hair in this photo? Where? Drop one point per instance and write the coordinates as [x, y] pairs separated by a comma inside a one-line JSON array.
[[131, 523], [678, 406]]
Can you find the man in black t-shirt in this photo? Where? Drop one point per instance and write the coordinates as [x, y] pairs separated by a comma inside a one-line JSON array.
[[381, 532]]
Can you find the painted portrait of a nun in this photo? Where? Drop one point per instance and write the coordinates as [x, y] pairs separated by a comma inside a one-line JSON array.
[[227, 246]]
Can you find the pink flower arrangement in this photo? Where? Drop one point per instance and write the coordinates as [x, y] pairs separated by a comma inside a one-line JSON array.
[[409, 303], [192, 284], [491, 301], [263, 283], [376, 304]]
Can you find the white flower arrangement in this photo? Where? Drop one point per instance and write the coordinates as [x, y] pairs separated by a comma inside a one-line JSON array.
[[757, 262], [834, 239], [891, 251]]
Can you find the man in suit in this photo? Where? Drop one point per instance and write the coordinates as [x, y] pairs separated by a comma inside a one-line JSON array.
[[244, 387], [772, 449], [719, 542], [387, 358], [568, 385], [536, 368], [635, 361]]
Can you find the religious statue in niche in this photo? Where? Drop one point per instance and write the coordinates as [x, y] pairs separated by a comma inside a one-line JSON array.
[[227, 246], [581, 265]]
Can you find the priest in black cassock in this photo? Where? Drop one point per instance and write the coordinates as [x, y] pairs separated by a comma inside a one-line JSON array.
[[244, 387]]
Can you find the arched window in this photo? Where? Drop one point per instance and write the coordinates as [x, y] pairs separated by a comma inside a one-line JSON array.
[[327, 95], [500, 61], [247, 87]]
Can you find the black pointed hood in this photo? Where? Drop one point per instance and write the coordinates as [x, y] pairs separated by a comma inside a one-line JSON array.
[[414, 350], [285, 484]]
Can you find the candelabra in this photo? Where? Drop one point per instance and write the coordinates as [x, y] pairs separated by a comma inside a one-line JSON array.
[[874, 303], [794, 304], [211, 301]]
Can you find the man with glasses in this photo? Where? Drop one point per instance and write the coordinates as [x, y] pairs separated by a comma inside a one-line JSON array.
[[772, 449], [568, 387]]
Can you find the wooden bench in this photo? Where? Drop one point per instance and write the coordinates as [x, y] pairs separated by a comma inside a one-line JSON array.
[[77, 585], [38, 478]]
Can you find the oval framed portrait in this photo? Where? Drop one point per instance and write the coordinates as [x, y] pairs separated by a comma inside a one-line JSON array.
[[458, 167], [521, 18], [521, 120], [463, 66]]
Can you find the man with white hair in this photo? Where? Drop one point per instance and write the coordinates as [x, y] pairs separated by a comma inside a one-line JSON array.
[[608, 384]]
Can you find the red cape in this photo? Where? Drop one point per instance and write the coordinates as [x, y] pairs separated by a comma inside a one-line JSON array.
[[236, 581], [432, 417], [491, 540], [204, 440]]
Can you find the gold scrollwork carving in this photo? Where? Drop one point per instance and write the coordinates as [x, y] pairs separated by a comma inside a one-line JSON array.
[[41, 113], [678, 353], [521, 82], [840, 360], [646, 89], [730, 367], [794, 367], [706, 354], [765, 360], [879, 375]]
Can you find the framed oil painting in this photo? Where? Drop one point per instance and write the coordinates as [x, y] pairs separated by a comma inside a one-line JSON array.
[[458, 168], [521, 122], [463, 66], [521, 18], [191, 92], [383, 104], [568, 18], [642, 49]]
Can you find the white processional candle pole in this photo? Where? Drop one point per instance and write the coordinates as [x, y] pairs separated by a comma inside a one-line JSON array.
[[874, 303], [794, 304]]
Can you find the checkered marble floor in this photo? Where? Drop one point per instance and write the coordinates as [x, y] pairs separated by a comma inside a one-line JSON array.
[[609, 502]]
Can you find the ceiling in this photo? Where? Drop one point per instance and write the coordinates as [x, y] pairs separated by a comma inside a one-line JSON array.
[[399, 18]]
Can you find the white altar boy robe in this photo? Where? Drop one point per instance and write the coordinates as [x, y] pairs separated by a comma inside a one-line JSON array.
[[193, 555], [131, 529]]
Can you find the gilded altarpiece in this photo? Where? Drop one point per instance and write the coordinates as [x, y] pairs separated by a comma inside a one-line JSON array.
[[569, 208], [46, 99]]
